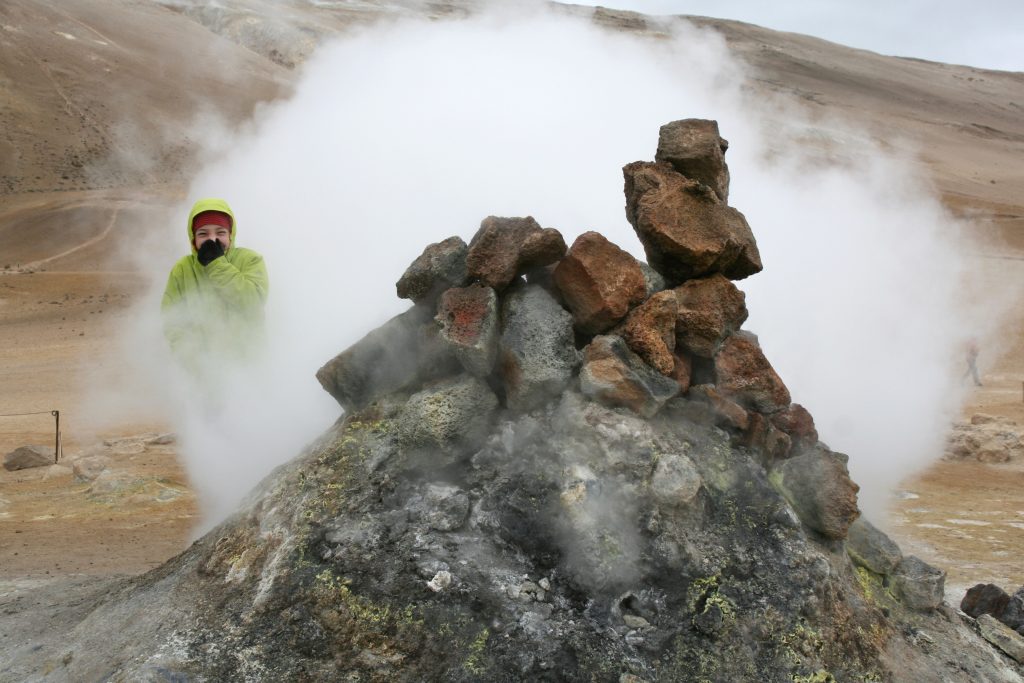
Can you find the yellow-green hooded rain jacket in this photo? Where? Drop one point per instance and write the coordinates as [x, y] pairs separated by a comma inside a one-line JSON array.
[[217, 308]]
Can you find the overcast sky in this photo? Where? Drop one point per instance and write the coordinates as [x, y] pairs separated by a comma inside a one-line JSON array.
[[984, 33]]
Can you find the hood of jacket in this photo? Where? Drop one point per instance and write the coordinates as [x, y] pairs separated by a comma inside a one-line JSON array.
[[210, 204]]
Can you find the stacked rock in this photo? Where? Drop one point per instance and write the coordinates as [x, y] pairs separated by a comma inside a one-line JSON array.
[[527, 318]]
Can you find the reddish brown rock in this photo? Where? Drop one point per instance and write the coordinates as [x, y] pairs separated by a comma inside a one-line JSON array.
[[440, 266], [682, 371], [650, 330], [615, 376], [745, 375], [506, 247], [818, 486], [710, 309], [766, 438], [728, 414], [798, 423], [599, 283], [686, 230], [694, 148], [468, 317]]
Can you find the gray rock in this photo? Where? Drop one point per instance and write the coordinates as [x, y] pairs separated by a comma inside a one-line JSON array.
[[445, 507], [24, 457], [110, 482], [984, 598], [400, 354], [1002, 636], [919, 585], [441, 581], [88, 468], [57, 472], [675, 481], [1013, 615], [615, 376], [447, 419], [536, 353], [653, 280], [818, 486], [440, 266], [986, 439], [128, 446], [871, 548], [694, 148], [991, 599], [441, 507], [468, 317], [162, 439]]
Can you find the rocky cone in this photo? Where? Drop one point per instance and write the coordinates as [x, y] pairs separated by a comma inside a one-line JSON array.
[[553, 514]]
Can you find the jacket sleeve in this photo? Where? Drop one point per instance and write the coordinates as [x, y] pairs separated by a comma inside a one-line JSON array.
[[243, 284]]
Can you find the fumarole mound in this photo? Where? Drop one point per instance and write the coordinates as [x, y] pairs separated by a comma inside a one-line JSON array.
[[559, 464]]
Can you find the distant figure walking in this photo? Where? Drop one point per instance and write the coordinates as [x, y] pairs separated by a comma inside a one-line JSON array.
[[972, 362]]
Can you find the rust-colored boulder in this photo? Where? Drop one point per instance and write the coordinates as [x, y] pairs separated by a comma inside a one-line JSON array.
[[798, 423], [440, 266], [468, 317], [763, 436], [650, 330], [599, 283], [727, 414], [506, 247], [686, 230], [745, 375], [694, 148], [710, 309], [682, 371], [818, 487], [615, 376]]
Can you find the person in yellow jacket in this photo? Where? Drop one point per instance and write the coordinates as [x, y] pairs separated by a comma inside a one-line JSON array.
[[212, 306]]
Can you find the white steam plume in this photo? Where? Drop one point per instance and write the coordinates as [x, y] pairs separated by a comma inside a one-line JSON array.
[[407, 133]]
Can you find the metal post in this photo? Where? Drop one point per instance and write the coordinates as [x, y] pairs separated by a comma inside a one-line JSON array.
[[56, 436]]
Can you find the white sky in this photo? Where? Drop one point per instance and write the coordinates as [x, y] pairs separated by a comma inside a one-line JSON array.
[[984, 33]]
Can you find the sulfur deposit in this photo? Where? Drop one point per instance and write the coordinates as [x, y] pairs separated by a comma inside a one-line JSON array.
[[560, 463]]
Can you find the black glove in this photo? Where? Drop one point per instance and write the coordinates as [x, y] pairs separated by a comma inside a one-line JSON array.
[[208, 251]]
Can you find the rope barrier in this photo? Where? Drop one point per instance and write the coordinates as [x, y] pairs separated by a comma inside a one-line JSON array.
[[43, 412], [58, 448]]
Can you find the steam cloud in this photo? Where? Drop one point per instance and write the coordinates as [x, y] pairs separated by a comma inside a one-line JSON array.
[[406, 133]]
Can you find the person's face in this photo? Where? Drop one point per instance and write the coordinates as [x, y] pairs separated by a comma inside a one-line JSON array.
[[205, 233]]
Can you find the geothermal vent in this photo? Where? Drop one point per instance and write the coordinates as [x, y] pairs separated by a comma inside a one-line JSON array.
[[559, 464]]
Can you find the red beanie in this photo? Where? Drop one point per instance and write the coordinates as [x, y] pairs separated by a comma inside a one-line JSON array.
[[211, 218]]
